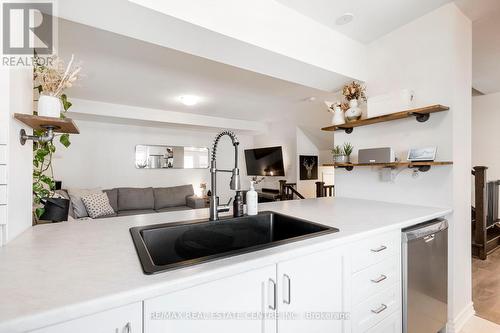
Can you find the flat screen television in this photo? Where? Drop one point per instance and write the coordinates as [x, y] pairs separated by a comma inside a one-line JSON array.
[[265, 161]]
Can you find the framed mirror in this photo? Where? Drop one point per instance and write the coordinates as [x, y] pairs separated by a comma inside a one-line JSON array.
[[171, 157]]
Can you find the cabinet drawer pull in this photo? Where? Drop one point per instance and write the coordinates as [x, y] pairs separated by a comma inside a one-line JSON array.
[[286, 289], [381, 278], [381, 308], [272, 294], [379, 249]]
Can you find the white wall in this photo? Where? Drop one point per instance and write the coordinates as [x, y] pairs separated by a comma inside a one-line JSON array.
[[432, 56], [102, 156], [486, 133]]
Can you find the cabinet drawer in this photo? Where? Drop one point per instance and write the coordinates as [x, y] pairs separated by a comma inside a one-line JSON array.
[[123, 319], [375, 279], [3, 194], [374, 250], [3, 154], [3, 214], [3, 174], [376, 308], [391, 324]]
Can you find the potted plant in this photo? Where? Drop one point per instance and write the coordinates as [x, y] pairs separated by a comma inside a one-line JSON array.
[[50, 78], [342, 154], [348, 148], [353, 92]]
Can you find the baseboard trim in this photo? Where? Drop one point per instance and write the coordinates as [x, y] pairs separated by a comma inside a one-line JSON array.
[[459, 321]]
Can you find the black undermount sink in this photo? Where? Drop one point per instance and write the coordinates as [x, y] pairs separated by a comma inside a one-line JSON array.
[[169, 246]]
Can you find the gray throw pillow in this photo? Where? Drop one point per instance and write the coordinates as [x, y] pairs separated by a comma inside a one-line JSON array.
[[75, 196], [166, 197], [97, 205], [113, 198]]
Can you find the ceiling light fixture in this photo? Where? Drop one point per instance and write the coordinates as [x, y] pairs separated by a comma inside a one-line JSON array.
[[189, 100], [344, 19]]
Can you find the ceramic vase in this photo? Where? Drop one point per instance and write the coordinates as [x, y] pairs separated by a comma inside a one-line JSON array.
[[338, 116], [49, 106], [354, 112]]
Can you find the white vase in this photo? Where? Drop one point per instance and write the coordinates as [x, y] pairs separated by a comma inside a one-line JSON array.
[[338, 116], [49, 106], [354, 112]]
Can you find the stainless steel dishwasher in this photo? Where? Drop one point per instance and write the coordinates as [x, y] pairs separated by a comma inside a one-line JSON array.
[[425, 277]]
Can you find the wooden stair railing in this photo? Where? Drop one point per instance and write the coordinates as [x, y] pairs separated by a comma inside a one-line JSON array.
[[288, 190], [485, 232], [323, 190]]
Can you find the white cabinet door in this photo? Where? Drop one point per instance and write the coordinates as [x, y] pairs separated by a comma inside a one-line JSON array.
[[310, 295], [125, 319], [234, 304]]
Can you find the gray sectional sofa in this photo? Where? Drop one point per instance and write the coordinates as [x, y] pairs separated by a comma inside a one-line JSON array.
[[134, 201]]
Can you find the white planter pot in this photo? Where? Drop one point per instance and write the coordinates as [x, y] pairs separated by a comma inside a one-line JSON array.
[[354, 112], [341, 159], [49, 106], [338, 116]]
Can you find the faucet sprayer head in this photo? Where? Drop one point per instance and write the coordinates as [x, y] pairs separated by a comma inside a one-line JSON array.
[[235, 183]]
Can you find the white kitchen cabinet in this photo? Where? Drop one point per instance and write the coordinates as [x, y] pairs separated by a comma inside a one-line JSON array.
[[310, 289], [392, 324], [125, 319], [232, 304]]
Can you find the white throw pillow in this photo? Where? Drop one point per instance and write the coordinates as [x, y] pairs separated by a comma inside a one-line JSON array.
[[97, 205]]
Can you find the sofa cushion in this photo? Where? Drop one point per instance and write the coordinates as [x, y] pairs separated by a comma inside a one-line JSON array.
[[135, 198], [172, 196], [173, 209], [135, 212], [113, 198]]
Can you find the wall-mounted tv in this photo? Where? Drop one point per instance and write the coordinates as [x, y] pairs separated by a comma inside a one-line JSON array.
[[265, 161]]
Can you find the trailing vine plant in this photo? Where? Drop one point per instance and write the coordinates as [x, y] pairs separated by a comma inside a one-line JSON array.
[[49, 78]]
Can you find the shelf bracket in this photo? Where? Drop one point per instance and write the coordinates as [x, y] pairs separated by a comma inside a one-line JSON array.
[[421, 168], [46, 137], [421, 117], [348, 130]]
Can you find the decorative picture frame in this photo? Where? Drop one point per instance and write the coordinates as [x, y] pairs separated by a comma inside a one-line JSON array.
[[308, 167], [422, 154]]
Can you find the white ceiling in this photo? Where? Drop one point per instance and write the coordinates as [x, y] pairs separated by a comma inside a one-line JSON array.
[[485, 15], [123, 70], [372, 18]]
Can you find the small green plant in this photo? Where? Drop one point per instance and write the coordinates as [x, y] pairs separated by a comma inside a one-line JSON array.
[[337, 151], [348, 148]]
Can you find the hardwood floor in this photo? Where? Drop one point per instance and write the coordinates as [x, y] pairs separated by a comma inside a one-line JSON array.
[[486, 287], [479, 325]]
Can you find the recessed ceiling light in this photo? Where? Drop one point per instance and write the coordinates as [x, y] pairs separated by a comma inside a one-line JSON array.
[[189, 100], [344, 19]]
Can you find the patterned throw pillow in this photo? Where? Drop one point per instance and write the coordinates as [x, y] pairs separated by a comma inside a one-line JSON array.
[[97, 205]]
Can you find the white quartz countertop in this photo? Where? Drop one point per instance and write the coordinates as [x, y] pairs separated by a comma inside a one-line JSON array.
[[57, 272]]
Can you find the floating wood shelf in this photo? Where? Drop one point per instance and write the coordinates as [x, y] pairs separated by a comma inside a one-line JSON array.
[[421, 166], [421, 114], [66, 125]]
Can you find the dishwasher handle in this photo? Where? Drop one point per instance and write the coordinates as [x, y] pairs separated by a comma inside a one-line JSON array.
[[424, 230]]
